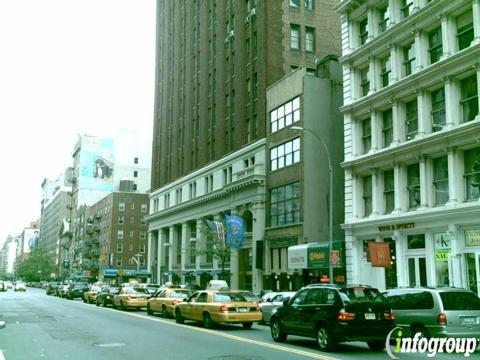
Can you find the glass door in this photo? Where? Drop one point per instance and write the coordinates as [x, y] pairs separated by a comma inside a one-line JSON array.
[[417, 271], [473, 271]]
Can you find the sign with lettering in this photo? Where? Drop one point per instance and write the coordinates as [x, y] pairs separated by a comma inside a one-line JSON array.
[[393, 227], [442, 246], [380, 254], [472, 237], [442, 255]]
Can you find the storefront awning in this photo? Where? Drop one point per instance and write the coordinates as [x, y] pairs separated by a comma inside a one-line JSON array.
[[308, 256]]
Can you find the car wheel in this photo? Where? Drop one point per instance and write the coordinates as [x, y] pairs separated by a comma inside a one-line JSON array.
[[105, 303], [85, 300], [97, 302], [278, 335], [149, 310], [122, 306], [113, 305], [164, 311], [324, 339], [376, 345], [207, 321], [178, 317], [247, 325]]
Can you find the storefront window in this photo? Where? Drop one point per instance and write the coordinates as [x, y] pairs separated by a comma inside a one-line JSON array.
[[416, 241], [472, 173]]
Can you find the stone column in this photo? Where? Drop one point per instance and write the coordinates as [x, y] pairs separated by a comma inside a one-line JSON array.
[[476, 21], [172, 250], [258, 234], [160, 255], [420, 50], [371, 23], [354, 86], [377, 195], [373, 75], [394, 9], [426, 188], [398, 123], [352, 257], [201, 245], [150, 257], [395, 63], [400, 185], [185, 249], [448, 35], [456, 191], [400, 246], [376, 130], [424, 119], [452, 100]]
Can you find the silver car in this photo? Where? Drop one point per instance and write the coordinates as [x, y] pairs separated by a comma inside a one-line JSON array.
[[436, 312], [273, 301]]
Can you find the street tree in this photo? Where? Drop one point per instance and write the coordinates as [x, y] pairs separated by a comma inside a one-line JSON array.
[[37, 266]]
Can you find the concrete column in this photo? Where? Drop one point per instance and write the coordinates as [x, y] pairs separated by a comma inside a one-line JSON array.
[[400, 246], [476, 21], [354, 86], [376, 129], [398, 124], [201, 245], [421, 53], [160, 255], [430, 259], [452, 101], [357, 211], [258, 234], [172, 250], [377, 195], [352, 257], [394, 9], [400, 178], [424, 116], [371, 23], [455, 256], [395, 63], [456, 190], [448, 36], [373, 75], [185, 238], [426, 188], [356, 136]]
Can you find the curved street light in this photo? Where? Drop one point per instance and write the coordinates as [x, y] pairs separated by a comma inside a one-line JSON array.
[[330, 198]]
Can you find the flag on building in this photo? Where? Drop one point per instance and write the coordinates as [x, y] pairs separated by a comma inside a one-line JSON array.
[[235, 231]]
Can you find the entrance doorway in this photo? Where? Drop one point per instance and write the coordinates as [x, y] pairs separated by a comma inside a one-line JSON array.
[[472, 261], [417, 271]]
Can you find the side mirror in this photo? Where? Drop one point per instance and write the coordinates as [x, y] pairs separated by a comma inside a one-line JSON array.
[[286, 301]]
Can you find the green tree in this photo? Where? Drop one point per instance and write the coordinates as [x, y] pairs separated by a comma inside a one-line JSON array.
[[37, 266]]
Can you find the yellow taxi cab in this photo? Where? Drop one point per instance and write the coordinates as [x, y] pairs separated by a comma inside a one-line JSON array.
[[164, 299], [213, 306], [130, 296], [90, 296]]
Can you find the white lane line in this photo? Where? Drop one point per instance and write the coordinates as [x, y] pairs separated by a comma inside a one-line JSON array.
[[234, 337]]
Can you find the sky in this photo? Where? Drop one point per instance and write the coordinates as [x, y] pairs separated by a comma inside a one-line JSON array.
[[67, 67]]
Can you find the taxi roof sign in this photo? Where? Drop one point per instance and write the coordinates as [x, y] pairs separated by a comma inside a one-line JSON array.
[[217, 285]]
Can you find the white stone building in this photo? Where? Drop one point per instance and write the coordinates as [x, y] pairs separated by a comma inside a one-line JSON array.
[[412, 140]]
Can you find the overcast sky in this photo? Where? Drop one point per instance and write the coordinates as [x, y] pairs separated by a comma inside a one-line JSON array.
[[67, 67]]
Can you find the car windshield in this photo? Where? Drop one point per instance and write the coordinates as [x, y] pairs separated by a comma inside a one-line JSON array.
[[229, 297], [361, 294], [460, 300], [180, 294]]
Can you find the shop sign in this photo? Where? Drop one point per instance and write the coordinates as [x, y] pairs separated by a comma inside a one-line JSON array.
[[318, 257], [380, 254], [472, 237], [308, 256], [393, 227], [297, 257], [442, 246]]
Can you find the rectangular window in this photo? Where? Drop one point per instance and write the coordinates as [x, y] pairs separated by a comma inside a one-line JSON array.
[[413, 185], [227, 175], [130, 247], [135, 173], [135, 160], [285, 115], [285, 154], [309, 5], [386, 72], [384, 19], [119, 248], [310, 39], [131, 233], [409, 59], [440, 180], [120, 234], [121, 220], [387, 130], [416, 241], [285, 205], [121, 207], [406, 8], [469, 97], [367, 195], [472, 173], [435, 45], [142, 235], [465, 30], [366, 135], [363, 31], [411, 119], [141, 249], [295, 3], [294, 37], [438, 109], [119, 262], [389, 191], [365, 81]]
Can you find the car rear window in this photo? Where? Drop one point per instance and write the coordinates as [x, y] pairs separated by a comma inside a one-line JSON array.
[[179, 294], [453, 300], [228, 297], [419, 300], [359, 294]]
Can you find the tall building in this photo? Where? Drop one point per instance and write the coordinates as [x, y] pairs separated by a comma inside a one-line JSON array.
[[215, 60], [412, 153]]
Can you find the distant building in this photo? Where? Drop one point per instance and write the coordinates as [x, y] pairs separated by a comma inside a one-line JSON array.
[[412, 153]]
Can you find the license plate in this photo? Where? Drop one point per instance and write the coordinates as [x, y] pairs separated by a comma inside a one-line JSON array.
[[369, 316], [469, 320], [242, 309]]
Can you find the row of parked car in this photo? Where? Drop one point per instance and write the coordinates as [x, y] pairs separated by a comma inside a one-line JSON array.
[[15, 286], [328, 313]]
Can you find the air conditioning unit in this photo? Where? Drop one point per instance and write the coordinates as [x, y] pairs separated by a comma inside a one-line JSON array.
[[253, 12]]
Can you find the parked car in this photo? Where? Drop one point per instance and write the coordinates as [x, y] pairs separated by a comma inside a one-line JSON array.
[[3, 287], [276, 300], [52, 288], [90, 296], [333, 314], [105, 296], [19, 286], [62, 290], [152, 288], [76, 290], [436, 312], [130, 296], [163, 300], [219, 306]]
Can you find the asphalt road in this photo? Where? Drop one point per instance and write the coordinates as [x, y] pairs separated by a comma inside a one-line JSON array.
[[47, 327]]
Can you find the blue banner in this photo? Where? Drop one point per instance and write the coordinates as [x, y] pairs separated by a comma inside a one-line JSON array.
[[235, 231]]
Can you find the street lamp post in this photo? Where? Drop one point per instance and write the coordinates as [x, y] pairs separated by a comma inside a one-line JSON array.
[[330, 198], [137, 261]]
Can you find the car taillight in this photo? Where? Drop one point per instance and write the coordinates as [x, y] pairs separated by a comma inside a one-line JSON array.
[[389, 316], [224, 308], [345, 316], [442, 319]]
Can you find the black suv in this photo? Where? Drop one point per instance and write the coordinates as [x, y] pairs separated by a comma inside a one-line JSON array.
[[332, 314], [76, 290]]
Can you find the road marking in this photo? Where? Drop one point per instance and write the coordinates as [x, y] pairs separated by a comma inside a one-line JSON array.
[[234, 337]]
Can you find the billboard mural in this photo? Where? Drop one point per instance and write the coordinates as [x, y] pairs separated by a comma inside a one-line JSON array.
[[30, 240], [96, 164]]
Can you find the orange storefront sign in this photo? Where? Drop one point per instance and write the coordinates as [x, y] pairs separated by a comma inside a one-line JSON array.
[[380, 254]]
